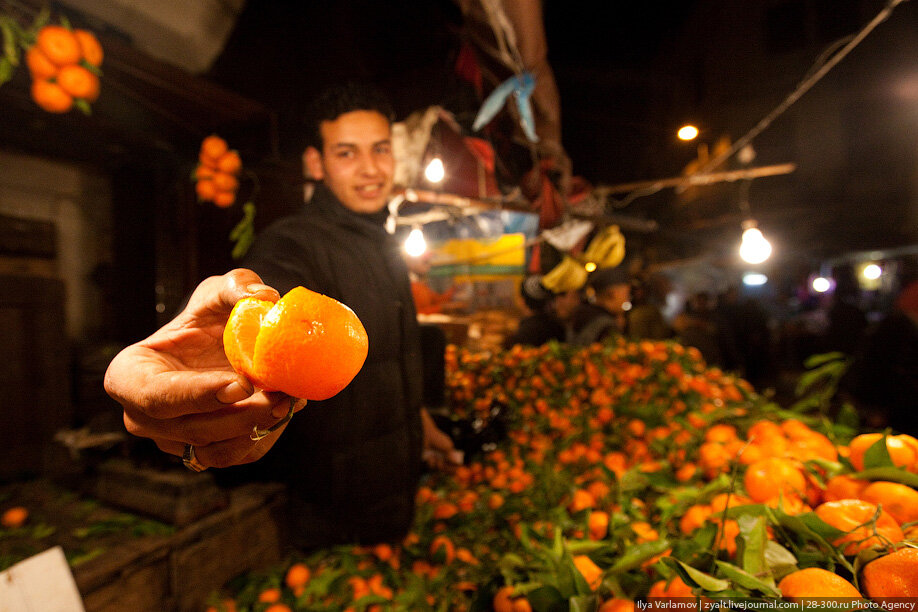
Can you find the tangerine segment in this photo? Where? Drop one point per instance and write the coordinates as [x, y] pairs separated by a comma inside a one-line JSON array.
[[309, 345], [240, 334]]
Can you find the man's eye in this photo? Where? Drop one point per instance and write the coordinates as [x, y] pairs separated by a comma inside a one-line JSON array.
[[384, 150]]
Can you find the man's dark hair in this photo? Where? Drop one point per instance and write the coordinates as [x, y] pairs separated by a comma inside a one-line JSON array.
[[340, 99]]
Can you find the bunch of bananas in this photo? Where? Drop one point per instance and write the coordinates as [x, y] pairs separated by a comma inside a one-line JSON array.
[[606, 250]]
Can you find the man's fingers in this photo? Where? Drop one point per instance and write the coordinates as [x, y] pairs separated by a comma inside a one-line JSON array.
[[220, 293], [202, 429], [236, 451]]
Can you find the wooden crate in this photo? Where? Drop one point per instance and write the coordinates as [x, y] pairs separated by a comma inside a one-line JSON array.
[[177, 573]]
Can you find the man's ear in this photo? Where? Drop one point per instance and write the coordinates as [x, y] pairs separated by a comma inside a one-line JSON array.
[[312, 164]]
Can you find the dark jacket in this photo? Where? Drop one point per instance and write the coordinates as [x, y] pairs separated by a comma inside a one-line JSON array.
[[351, 462]]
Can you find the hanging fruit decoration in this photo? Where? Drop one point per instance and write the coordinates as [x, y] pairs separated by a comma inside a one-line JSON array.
[[65, 65], [217, 174], [217, 180]]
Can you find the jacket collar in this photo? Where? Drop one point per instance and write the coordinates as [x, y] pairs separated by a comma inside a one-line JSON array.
[[329, 206]]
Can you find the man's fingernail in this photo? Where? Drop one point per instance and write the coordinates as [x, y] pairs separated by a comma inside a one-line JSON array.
[[258, 287], [232, 393]]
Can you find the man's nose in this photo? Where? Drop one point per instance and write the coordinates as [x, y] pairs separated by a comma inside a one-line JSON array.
[[369, 165]]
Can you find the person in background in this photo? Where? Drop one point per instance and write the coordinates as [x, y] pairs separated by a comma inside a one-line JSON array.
[[546, 317], [696, 326], [645, 320], [882, 380], [603, 313], [351, 463]]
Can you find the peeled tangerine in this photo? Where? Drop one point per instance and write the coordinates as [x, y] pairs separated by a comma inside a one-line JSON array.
[[306, 345]]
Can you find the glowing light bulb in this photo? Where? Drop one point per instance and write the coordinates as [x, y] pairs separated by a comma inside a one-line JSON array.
[[589, 266], [821, 284], [415, 245], [435, 172], [872, 271], [687, 132], [754, 279], [754, 248]]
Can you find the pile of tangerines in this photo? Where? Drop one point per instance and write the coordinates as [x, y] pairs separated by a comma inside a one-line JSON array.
[[65, 66], [217, 174], [631, 474]]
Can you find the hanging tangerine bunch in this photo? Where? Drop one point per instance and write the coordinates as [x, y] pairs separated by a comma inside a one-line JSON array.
[[65, 65], [217, 174]]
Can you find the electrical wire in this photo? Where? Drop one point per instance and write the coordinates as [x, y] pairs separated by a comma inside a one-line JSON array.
[[803, 87]]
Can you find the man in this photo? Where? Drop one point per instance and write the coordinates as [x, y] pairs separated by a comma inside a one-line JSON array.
[[603, 314], [351, 462], [547, 314]]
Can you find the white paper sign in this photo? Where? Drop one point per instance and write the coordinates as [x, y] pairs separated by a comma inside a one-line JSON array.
[[43, 583]]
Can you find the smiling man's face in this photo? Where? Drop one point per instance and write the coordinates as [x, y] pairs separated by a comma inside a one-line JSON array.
[[356, 160]]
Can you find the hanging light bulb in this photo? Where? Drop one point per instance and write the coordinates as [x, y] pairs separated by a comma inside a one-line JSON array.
[[754, 248], [687, 132], [435, 172], [821, 284], [415, 245]]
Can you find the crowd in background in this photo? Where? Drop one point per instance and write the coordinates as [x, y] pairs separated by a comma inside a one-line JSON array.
[[741, 333]]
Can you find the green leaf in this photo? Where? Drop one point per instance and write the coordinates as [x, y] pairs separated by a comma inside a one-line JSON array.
[[877, 456], [638, 555], [10, 48], [746, 580], [6, 70], [814, 361], [546, 598], [892, 474], [83, 106], [694, 577], [583, 603], [778, 558], [755, 538]]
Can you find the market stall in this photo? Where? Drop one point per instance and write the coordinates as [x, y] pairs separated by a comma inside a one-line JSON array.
[[780, 468]]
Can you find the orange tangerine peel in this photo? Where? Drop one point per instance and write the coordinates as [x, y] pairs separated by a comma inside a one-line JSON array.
[[306, 345]]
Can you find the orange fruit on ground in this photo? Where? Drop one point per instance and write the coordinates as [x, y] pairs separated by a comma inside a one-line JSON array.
[[617, 605], [844, 486], [772, 477], [90, 47], [307, 345], [227, 605], [662, 590], [14, 517], [278, 607], [590, 571], [815, 582], [598, 524], [40, 67], [442, 550], [79, 82], [270, 595], [504, 601], [902, 452], [892, 575], [297, 576], [856, 518], [59, 45], [51, 96], [900, 500]]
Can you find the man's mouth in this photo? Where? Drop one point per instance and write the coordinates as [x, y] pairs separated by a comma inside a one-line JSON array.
[[369, 190]]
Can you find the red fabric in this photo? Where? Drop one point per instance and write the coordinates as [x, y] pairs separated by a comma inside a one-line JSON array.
[[467, 68], [482, 150]]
